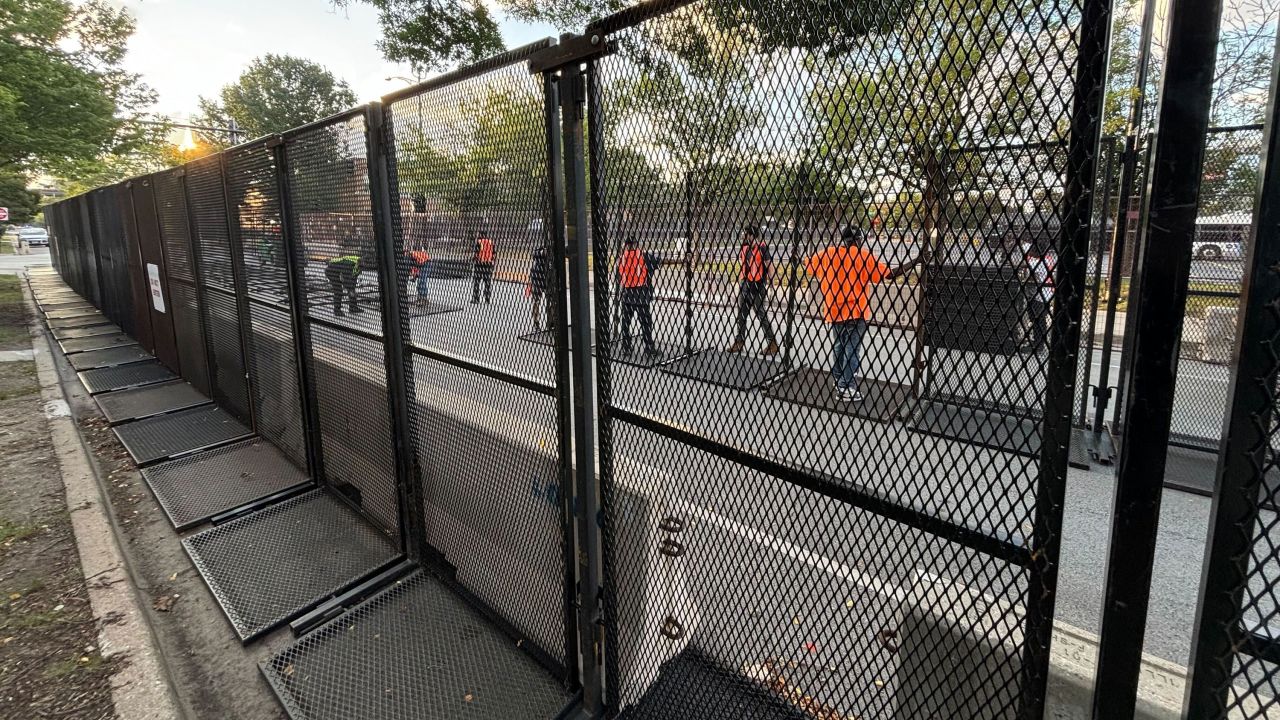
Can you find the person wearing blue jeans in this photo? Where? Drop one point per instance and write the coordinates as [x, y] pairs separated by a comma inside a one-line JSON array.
[[847, 346]]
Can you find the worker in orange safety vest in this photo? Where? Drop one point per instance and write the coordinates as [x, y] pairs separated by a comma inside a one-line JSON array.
[[635, 282], [419, 270], [755, 275], [482, 269]]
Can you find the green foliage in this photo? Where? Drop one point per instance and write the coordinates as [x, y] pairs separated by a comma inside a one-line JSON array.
[[482, 153], [275, 93], [435, 34], [22, 203]]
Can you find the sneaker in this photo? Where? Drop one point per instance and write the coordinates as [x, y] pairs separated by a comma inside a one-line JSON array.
[[735, 348], [770, 349], [849, 394]]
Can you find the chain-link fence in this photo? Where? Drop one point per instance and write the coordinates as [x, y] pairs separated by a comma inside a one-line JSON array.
[[719, 362]]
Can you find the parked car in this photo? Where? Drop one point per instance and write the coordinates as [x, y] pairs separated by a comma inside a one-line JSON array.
[[34, 236], [1221, 237]]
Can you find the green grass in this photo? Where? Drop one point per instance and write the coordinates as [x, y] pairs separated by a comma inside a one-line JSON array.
[[13, 328], [13, 531], [6, 248], [1197, 305], [83, 663]]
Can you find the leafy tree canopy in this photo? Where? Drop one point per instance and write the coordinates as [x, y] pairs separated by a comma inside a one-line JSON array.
[[65, 100], [23, 204], [275, 93]]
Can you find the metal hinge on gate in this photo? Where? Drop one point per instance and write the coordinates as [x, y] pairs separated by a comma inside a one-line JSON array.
[[571, 49]]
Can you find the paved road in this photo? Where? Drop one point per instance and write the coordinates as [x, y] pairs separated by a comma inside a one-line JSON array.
[[10, 264]]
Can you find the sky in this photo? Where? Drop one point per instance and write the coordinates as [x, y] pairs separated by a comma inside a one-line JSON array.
[[188, 48]]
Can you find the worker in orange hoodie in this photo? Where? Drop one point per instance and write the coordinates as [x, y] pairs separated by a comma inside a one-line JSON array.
[[844, 272], [482, 269]]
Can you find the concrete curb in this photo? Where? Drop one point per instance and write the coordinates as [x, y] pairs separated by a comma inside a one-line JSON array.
[[140, 689]]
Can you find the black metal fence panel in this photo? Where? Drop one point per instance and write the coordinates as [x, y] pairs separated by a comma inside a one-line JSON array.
[[117, 300], [180, 269], [253, 199], [331, 224], [1235, 663], [220, 307], [832, 486], [470, 194], [154, 276], [81, 223], [138, 291]]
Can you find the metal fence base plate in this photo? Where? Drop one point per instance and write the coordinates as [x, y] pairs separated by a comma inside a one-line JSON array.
[[80, 322], [984, 428], [543, 337], [108, 357], [636, 355], [197, 487], [736, 371], [434, 308], [136, 403], [881, 402], [165, 436], [65, 305], [273, 565], [414, 650], [691, 686], [95, 331], [74, 312], [124, 376], [96, 342]]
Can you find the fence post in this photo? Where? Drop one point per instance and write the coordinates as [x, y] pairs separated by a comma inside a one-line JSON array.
[[235, 247], [395, 330], [193, 249], [1129, 156], [1163, 264], [573, 103], [1095, 283], [1064, 352], [556, 318], [295, 277], [1238, 488]]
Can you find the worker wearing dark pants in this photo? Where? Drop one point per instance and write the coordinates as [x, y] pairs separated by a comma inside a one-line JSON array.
[[635, 283], [539, 284], [482, 270], [342, 273], [755, 268]]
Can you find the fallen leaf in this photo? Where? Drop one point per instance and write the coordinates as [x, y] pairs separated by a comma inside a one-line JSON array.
[[173, 577], [164, 603], [15, 596], [288, 670], [467, 697]]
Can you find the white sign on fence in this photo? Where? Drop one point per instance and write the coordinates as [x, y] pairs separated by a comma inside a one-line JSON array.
[[157, 295]]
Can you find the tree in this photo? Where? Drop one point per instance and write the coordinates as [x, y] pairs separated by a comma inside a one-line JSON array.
[[23, 204], [435, 34], [275, 93], [980, 73], [65, 100]]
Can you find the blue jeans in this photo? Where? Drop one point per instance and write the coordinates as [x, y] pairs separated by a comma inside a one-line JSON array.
[[423, 288], [847, 345]]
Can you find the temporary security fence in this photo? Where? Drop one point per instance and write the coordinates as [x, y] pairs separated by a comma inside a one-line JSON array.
[[722, 361]]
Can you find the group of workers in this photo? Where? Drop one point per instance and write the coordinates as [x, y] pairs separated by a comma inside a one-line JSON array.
[[343, 274], [844, 272]]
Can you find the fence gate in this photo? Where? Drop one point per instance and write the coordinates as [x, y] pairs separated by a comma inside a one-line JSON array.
[[483, 383], [874, 534]]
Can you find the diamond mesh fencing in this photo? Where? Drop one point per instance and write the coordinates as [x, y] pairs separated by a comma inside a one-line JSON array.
[[253, 200], [481, 291], [154, 276], [1235, 664], [141, 299], [180, 269], [220, 306], [1224, 224], [838, 273]]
